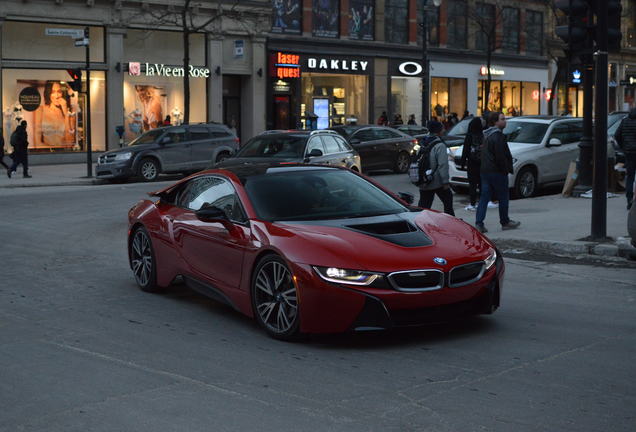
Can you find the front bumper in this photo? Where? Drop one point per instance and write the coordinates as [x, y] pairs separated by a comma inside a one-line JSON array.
[[114, 170], [335, 308]]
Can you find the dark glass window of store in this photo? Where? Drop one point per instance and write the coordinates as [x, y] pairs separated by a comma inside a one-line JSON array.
[[510, 41], [432, 24], [396, 21], [534, 32], [485, 25], [456, 24]]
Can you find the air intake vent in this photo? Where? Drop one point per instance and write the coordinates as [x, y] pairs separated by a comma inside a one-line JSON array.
[[466, 274], [385, 228]]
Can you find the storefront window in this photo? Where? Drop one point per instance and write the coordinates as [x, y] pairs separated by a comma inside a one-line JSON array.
[[513, 98], [406, 97], [286, 16], [510, 40], [55, 114], [432, 24], [486, 18], [335, 99], [448, 95], [534, 32], [361, 19], [29, 41]]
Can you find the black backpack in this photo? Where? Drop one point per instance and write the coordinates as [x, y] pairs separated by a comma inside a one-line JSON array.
[[419, 170]]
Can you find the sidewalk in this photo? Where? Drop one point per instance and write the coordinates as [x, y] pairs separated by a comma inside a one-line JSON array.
[[548, 223]]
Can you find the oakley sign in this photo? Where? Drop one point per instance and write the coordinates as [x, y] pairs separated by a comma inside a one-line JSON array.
[[336, 64], [410, 68]]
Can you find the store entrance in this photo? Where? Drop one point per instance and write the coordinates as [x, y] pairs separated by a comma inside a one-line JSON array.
[[232, 103], [281, 112]]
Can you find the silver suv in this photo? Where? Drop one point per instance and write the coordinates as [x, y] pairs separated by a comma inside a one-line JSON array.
[[172, 149]]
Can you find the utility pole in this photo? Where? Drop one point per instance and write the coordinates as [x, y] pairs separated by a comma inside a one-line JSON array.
[[426, 106], [87, 108]]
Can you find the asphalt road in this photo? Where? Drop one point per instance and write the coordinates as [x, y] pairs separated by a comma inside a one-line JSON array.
[[82, 349]]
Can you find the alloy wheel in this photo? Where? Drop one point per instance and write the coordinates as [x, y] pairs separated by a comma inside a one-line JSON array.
[[141, 258], [527, 184], [402, 163], [149, 170], [276, 301]]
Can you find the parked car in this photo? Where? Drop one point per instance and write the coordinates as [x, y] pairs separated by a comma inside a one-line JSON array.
[[317, 147], [416, 131], [173, 149], [381, 147], [455, 135], [613, 122], [542, 148], [312, 249], [631, 220]]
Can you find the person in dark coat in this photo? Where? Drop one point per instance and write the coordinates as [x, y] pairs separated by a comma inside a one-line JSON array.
[[412, 120], [471, 159], [2, 151], [496, 164], [438, 159], [626, 139], [20, 143], [383, 120]]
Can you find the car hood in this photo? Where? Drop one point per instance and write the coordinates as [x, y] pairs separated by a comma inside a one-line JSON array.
[[132, 149], [405, 241]]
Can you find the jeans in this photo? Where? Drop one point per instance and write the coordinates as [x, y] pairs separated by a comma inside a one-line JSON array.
[[445, 195], [630, 168], [474, 180], [493, 185]]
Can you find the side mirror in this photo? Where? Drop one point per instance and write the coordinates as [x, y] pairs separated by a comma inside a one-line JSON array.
[[165, 140], [315, 153], [209, 213], [554, 142], [406, 197]]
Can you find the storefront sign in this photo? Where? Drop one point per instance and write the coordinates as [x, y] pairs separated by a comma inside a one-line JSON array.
[[548, 94], [30, 98], [281, 86], [286, 65], [630, 81], [336, 65], [154, 69], [410, 68], [483, 71], [576, 76]]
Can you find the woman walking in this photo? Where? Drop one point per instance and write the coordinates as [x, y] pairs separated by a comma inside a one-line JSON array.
[[471, 159]]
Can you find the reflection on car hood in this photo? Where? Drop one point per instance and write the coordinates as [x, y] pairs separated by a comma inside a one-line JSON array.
[[234, 161], [353, 243]]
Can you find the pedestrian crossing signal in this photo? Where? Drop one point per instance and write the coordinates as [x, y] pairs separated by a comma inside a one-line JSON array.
[[76, 75]]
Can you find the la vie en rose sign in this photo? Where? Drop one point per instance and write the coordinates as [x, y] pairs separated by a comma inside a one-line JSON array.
[[154, 69]]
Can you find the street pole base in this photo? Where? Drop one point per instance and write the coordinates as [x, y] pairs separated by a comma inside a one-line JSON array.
[[580, 190]]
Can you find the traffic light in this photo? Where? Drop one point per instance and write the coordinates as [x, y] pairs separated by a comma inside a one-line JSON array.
[[577, 30], [614, 34], [76, 75]]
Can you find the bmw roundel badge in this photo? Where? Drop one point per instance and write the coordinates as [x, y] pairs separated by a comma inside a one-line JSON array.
[[440, 261]]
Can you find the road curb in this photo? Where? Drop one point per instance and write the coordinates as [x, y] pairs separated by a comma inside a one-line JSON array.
[[620, 249], [87, 182]]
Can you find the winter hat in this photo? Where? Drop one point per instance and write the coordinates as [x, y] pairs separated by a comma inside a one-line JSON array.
[[435, 126]]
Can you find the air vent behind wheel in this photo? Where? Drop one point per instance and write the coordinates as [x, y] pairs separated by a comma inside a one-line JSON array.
[[384, 228]]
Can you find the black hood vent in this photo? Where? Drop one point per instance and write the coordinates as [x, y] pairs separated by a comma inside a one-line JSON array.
[[383, 228]]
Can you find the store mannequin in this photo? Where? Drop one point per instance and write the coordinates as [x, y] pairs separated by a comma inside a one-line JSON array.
[[136, 121], [176, 116]]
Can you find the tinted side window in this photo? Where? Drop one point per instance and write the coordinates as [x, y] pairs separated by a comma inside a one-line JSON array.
[[315, 143], [365, 135], [213, 191], [575, 132], [386, 134], [199, 133], [560, 131], [331, 145], [344, 146], [219, 134], [176, 135]]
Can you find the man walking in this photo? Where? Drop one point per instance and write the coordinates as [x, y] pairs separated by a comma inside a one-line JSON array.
[[496, 163], [20, 144], [438, 168], [626, 139]]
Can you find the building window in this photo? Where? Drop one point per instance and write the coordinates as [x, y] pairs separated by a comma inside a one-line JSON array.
[[361, 19], [485, 22], [326, 18], [336, 99], [510, 41], [448, 95], [406, 96], [534, 33], [630, 35], [432, 24], [456, 24], [286, 16], [396, 21], [513, 98]]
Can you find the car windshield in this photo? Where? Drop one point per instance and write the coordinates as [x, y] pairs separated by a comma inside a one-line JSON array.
[[525, 132], [147, 138], [460, 128], [317, 194], [274, 146], [346, 131]]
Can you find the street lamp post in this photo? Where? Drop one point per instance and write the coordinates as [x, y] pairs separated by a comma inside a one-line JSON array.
[[425, 63]]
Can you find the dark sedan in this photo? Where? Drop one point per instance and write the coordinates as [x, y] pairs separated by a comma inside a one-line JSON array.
[[316, 147], [381, 147]]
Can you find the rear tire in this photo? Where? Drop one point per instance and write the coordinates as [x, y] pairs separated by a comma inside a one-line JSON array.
[[402, 163], [275, 299], [525, 183], [148, 169]]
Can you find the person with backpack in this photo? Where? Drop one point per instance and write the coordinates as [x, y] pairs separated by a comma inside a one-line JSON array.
[[471, 159], [20, 143], [626, 139], [432, 164], [496, 164]]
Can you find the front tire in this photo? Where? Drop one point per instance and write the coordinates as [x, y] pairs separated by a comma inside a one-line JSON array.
[[143, 261], [402, 163], [275, 299], [525, 183], [222, 156], [148, 169]]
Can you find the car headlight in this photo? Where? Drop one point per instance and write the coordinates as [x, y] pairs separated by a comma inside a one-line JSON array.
[[491, 260], [416, 148], [123, 156], [351, 277], [514, 160]]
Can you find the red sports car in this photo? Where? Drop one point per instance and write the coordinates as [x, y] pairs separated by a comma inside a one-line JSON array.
[[312, 249]]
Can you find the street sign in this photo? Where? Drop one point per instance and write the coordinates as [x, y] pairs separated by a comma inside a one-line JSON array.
[[81, 42], [74, 33]]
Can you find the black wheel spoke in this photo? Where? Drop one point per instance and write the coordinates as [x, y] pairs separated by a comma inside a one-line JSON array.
[[275, 297]]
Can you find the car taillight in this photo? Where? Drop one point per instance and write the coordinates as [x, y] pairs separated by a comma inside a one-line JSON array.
[[237, 141], [414, 142]]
